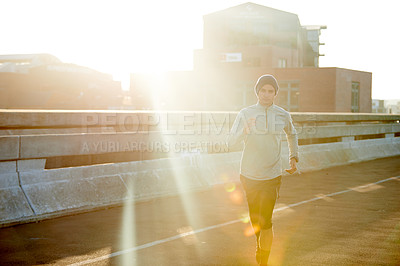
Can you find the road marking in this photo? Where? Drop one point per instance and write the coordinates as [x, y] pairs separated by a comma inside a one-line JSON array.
[[161, 241]]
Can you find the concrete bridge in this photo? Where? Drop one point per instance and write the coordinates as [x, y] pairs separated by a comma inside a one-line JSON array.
[[54, 163]]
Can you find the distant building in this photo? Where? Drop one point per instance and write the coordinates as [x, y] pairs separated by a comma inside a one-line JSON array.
[[244, 42], [378, 106], [392, 106], [251, 35], [42, 81]]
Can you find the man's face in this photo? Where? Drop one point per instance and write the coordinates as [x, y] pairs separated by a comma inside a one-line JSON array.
[[266, 95]]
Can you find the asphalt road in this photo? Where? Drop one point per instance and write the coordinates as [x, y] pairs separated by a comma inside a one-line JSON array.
[[348, 215]]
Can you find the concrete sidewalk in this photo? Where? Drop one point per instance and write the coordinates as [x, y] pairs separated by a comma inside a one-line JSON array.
[[358, 226]]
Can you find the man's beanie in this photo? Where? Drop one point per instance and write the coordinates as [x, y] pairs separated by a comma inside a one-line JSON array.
[[264, 80]]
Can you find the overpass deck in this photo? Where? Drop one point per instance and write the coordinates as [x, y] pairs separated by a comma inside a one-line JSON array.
[[345, 215]]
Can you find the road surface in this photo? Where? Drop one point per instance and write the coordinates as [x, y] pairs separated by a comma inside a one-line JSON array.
[[347, 215]]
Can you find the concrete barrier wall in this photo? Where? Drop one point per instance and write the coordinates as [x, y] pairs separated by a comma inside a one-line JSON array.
[[316, 157], [9, 147], [13, 202], [55, 191], [45, 193], [30, 192], [50, 145]]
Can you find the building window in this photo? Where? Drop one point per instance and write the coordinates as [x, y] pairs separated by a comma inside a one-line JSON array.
[[355, 97], [283, 98], [282, 63], [288, 95]]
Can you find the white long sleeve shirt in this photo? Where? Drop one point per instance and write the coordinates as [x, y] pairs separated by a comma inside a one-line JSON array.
[[261, 157]]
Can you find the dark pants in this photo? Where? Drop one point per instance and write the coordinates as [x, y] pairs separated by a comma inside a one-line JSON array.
[[261, 197]]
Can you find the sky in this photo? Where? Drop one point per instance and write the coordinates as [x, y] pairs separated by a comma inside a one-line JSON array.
[[121, 37]]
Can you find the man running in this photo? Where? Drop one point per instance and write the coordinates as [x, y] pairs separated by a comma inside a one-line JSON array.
[[260, 127]]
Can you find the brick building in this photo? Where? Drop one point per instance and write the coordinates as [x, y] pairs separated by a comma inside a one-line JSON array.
[[42, 81], [244, 42]]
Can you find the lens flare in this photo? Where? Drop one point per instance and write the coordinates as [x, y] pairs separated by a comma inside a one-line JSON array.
[[245, 218], [250, 231], [129, 233], [236, 197], [230, 187]]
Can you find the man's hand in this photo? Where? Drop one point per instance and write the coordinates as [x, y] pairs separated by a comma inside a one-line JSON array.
[[248, 125], [293, 166]]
